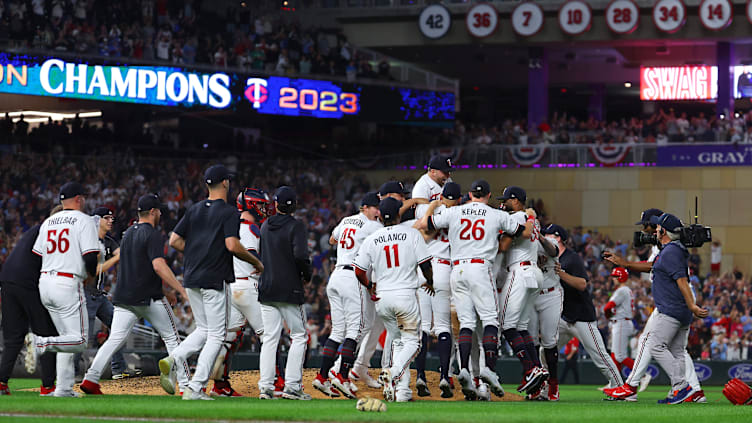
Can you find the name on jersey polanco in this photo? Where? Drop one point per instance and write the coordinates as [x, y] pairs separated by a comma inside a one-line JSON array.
[[61, 220], [390, 237]]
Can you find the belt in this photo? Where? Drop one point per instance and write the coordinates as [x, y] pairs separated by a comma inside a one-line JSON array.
[[456, 262], [616, 320], [444, 261], [546, 291], [522, 263], [242, 279], [67, 275], [347, 267]]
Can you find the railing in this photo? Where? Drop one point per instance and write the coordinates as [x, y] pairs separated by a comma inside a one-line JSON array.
[[506, 4]]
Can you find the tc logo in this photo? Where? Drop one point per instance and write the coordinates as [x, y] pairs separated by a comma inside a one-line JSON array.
[[255, 91]]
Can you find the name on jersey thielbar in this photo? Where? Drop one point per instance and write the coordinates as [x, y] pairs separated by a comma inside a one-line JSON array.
[[473, 212], [69, 220], [353, 221], [390, 238]]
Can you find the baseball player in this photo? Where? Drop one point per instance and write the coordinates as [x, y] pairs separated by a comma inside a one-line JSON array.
[[254, 206], [473, 241], [209, 236], [394, 253], [139, 295], [69, 247], [544, 320], [438, 305], [346, 298], [578, 317], [620, 310], [520, 290], [639, 379], [430, 184]]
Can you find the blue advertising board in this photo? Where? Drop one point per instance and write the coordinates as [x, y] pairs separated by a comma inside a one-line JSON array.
[[705, 155]]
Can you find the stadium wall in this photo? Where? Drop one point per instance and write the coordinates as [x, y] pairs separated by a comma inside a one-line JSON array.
[[611, 200]]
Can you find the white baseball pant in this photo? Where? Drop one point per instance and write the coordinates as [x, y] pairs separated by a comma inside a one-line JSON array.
[[401, 316], [293, 315], [245, 305], [592, 341], [159, 314], [643, 357], [64, 298], [518, 296], [472, 290], [211, 310], [374, 326], [544, 320], [346, 304], [621, 330]]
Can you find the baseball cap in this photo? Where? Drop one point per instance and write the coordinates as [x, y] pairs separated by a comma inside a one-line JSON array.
[[70, 190], [391, 187], [150, 201], [451, 191], [389, 208], [481, 187], [513, 192], [442, 163], [621, 273], [216, 174], [370, 199], [647, 214], [668, 221], [285, 195], [102, 211], [557, 230]]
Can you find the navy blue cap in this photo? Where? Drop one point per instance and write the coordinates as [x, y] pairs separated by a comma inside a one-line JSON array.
[[370, 199], [513, 192], [481, 187], [285, 196], [442, 163], [557, 230], [465, 198], [389, 208], [451, 191], [70, 190], [216, 174], [647, 214], [150, 201], [668, 221], [391, 187], [102, 211]]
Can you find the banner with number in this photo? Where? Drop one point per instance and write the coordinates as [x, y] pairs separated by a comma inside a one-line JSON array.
[[482, 20], [622, 16], [527, 19], [669, 15], [575, 17]]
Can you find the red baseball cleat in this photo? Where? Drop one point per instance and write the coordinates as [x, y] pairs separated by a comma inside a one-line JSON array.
[[553, 390], [624, 392], [4, 390], [47, 392], [90, 388], [698, 396], [223, 389]]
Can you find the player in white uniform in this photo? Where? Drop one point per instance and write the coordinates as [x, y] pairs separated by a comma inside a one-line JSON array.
[[473, 240], [68, 243], [520, 290], [639, 379], [394, 253], [431, 183], [438, 305], [346, 298], [620, 310], [139, 294], [254, 207]]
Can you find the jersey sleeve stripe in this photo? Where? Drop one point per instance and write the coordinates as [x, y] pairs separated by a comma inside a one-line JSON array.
[[37, 253], [360, 267], [425, 260], [90, 251]]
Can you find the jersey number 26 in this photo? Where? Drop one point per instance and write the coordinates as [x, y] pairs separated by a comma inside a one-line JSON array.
[[475, 229]]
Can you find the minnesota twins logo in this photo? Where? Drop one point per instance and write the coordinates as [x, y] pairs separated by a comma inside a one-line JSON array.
[[255, 91]]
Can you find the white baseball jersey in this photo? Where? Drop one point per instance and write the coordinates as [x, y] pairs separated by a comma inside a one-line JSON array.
[[622, 297], [350, 234], [438, 246], [249, 238], [550, 278], [426, 187], [523, 249], [63, 240], [393, 253], [474, 229]]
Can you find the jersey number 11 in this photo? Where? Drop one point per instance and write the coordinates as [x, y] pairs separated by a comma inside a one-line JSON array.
[[395, 248]]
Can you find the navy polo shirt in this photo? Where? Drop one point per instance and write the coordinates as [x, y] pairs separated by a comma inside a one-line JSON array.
[[670, 265]]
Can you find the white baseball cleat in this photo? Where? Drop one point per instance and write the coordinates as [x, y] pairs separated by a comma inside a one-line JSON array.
[[483, 393], [446, 388], [468, 387], [30, 359], [324, 386], [644, 382], [492, 379], [67, 394], [361, 374], [295, 394], [343, 386], [385, 377], [191, 395], [266, 394], [167, 375], [353, 387]]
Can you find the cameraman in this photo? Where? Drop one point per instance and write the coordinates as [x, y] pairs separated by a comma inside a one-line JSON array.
[[648, 228], [676, 306]]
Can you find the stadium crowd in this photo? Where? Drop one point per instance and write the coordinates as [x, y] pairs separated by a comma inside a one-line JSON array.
[[184, 32], [30, 182]]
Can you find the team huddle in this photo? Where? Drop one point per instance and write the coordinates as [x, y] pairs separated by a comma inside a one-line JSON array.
[[438, 264]]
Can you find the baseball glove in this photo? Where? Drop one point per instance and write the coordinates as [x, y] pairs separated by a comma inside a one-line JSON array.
[[738, 392], [370, 404]]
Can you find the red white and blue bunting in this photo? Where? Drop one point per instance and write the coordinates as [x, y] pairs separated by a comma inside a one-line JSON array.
[[609, 154], [527, 155]]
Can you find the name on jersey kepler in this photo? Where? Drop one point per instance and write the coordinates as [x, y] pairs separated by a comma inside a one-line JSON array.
[[400, 236], [473, 212]]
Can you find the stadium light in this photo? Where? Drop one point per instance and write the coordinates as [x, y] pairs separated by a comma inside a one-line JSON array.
[[627, 84], [33, 116]]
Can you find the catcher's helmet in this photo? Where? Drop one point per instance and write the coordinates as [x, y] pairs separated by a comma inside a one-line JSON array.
[[620, 273], [257, 202]]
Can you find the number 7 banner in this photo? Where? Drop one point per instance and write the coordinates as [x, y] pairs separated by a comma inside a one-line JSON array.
[[527, 19]]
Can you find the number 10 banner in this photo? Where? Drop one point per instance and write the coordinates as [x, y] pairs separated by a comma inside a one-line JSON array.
[[575, 17]]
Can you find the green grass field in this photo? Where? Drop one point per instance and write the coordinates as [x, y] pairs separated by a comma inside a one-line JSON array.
[[579, 404]]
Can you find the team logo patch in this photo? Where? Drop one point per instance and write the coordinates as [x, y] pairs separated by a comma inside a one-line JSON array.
[[527, 155], [741, 371], [609, 154], [703, 372], [256, 92]]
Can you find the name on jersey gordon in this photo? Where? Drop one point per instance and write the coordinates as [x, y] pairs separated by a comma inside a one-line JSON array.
[[353, 221], [390, 238]]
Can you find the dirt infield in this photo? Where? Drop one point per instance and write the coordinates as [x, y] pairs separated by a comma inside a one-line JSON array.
[[245, 382]]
